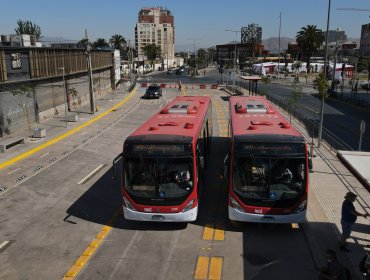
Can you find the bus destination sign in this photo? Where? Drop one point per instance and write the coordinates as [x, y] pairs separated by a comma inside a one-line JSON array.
[[158, 149], [271, 148]]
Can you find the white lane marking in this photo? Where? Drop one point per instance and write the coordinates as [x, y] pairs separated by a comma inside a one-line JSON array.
[[4, 243], [92, 173], [19, 168], [44, 155]]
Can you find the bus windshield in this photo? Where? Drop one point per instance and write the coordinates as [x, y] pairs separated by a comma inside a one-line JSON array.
[[268, 179], [159, 178]]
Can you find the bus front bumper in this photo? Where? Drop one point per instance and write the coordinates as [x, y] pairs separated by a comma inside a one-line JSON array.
[[236, 215], [188, 216]]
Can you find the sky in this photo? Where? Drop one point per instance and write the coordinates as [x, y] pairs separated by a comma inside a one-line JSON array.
[[202, 22]]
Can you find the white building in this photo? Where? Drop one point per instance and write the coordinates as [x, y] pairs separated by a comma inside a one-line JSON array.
[[156, 26]]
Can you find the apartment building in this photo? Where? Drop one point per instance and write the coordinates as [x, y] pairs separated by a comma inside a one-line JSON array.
[[156, 26]]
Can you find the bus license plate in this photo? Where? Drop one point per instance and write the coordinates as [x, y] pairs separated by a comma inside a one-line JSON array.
[[157, 218], [268, 220]]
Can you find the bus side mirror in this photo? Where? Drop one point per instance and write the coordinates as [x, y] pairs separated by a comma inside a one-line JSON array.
[[114, 167], [310, 164], [224, 172]]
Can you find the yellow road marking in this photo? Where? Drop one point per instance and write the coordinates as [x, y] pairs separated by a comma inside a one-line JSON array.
[[91, 249], [215, 269], [201, 270], [214, 233], [219, 233], [65, 135], [208, 232]]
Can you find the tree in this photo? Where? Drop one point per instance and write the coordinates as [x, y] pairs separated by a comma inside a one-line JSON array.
[[100, 43], [321, 84], [84, 43], [118, 42], [296, 94], [309, 40], [201, 57], [28, 27], [152, 52], [24, 92]]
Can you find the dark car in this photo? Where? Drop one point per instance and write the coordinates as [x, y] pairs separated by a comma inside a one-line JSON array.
[[153, 91], [366, 86], [179, 71]]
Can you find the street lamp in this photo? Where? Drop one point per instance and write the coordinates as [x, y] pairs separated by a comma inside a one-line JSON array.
[[236, 37], [194, 53], [325, 70], [65, 96]]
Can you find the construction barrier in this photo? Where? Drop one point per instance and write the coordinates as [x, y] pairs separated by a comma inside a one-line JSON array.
[[144, 85], [214, 86], [163, 85], [202, 86]]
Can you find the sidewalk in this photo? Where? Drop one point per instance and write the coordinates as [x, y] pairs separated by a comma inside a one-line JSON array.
[[56, 126]]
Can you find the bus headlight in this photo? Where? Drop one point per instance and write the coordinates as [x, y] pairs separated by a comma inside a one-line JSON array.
[[128, 204], [188, 206], [301, 207], [235, 204]]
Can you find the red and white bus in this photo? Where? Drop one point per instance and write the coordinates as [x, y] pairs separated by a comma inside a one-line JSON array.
[[164, 161], [268, 166]]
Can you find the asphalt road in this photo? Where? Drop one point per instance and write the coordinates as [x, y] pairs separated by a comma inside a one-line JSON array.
[[60, 217]]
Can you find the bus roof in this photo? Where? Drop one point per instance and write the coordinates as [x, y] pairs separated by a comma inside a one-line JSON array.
[[255, 115], [183, 116]]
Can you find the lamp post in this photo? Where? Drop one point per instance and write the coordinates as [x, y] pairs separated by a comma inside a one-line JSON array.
[[65, 96], [325, 70], [194, 53], [236, 37], [278, 73]]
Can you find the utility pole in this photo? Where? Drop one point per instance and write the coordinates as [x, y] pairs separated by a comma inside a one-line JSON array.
[[89, 69], [195, 66], [278, 74], [325, 70], [235, 61]]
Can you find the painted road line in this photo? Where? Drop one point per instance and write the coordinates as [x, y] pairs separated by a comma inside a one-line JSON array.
[[215, 268], [3, 244], [219, 233], [91, 174], [19, 168], [201, 270], [89, 251], [208, 268], [44, 155], [212, 232], [65, 135], [208, 232]]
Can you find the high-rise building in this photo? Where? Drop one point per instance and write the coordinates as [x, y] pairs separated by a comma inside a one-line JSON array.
[[156, 26], [365, 39], [252, 31], [335, 36]]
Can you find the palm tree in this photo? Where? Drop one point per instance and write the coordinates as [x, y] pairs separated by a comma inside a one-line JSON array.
[[100, 43], [309, 40], [118, 42]]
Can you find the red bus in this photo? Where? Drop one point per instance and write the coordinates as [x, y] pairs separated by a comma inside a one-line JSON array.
[[267, 168], [164, 161]]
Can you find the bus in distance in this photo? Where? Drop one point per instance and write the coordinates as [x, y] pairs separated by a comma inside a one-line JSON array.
[[164, 161], [268, 164]]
